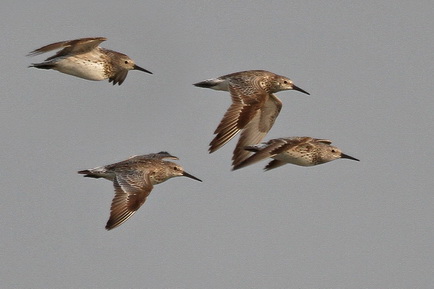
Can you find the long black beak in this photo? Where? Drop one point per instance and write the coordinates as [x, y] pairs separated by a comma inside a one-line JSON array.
[[344, 156], [136, 67], [190, 176], [299, 89]]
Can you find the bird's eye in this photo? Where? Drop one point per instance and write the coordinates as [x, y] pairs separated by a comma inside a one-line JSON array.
[[286, 82], [126, 61], [333, 151], [175, 168]]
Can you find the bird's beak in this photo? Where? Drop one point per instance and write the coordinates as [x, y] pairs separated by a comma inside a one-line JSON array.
[[299, 89], [190, 176], [344, 156], [136, 67]]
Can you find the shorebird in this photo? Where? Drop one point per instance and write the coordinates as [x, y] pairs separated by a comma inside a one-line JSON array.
[[254, 107], [301, 151], [85, 59], [133, 180]]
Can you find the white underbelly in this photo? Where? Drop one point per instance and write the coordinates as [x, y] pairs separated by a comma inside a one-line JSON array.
[[300, 160], [82, 68]]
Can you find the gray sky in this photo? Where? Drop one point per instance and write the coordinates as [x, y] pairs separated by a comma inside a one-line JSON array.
[[345, 224]]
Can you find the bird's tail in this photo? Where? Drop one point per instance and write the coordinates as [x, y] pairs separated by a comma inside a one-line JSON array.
[[89, 174], [204, 84], [214, 83], [42, 65], [252, 148]]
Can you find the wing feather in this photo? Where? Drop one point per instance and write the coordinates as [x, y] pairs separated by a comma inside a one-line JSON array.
[[131, 191], [76, 46]]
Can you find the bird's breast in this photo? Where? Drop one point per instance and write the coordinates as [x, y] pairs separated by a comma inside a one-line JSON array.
[[295, 158], [87, 68]]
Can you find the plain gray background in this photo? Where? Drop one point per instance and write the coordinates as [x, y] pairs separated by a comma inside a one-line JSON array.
[[368, 224]]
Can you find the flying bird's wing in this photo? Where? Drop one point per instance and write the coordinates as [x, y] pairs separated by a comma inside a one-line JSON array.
[[119, 76], [160, 155], [263, 151], [274, 164], [257, 128], [237, 117], [76, 46], [325, 141], [131, 191]]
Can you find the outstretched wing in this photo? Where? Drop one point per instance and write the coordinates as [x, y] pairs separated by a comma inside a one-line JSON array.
[[119, 76], [257, 128], [261, 152], [160, 155], [131, 191], [240, 113], [270, 149], [76, 46]]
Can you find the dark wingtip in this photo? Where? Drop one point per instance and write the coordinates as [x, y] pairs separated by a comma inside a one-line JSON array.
[[212, 148], [237, 167], [109, 226]]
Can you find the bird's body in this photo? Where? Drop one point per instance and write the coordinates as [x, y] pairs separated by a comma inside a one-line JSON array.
[[85, 59], [254, 107], [133, 180], [301, 151], [90, 66]]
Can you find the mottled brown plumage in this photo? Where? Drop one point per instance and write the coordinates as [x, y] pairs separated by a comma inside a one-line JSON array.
[[133, 180], [301, 151]]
